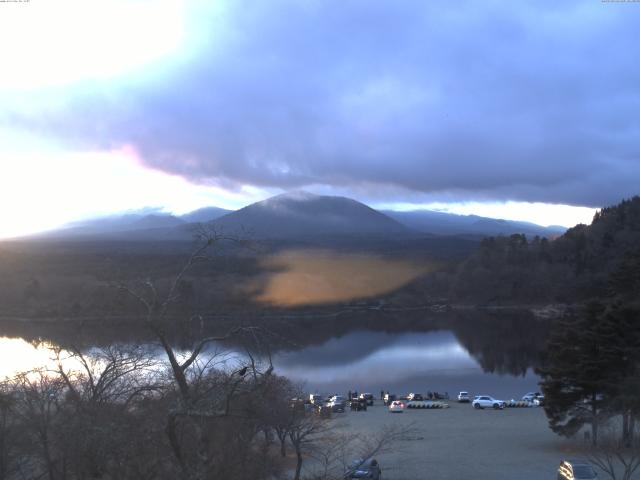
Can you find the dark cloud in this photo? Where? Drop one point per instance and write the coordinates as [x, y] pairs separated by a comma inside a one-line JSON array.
[[536, 101]]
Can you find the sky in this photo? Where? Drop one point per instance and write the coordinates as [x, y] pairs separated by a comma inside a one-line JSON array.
[[517, 110]]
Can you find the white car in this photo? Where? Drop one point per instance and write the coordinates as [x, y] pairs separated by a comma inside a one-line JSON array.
[[463, 397], [485, 401], [396, 406]]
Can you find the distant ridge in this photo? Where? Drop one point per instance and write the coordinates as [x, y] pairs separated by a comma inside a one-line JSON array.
[[441, 223], [204, 215], [298, 216], [108, 226]]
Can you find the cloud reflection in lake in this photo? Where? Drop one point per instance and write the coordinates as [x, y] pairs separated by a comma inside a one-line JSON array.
[[399, 362]]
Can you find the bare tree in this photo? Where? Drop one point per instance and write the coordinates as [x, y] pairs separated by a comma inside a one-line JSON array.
[[305, 432], [339, 451], [97, 412], [111, 374], [37, 397], [332, 456], [617, 458], [204, 394], [157, 306], [10, 434]]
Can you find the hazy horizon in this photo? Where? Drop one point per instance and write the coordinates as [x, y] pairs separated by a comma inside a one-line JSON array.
[[458, 210]]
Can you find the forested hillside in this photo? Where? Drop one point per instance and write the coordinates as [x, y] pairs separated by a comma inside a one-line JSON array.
[[575, 267]]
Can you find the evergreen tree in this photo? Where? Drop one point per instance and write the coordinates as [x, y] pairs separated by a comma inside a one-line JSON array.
[[576, 373], [623, 318], [624, 380]]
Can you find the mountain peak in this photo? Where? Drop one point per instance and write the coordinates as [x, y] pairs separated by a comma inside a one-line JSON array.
[[298, 195], [204, 214], [302, 214]]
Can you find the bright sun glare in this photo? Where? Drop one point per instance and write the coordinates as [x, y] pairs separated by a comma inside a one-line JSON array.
[[50, 43], [45, 191]]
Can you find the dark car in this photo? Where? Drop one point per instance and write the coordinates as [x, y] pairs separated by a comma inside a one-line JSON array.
[[388, 398], [368, 397], [576, 470], [337, 403], [358, 404], [364, 469]]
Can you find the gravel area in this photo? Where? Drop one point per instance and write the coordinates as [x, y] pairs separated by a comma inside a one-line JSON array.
[[463, 443]]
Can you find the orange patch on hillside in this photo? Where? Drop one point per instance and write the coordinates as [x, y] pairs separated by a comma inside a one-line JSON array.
[[303, 277]]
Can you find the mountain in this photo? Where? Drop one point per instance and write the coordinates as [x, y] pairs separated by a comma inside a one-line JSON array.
[[298, 216], [145, 224], [440, 223], [204, 215], [156, 221], [117, 225], [302, 215]]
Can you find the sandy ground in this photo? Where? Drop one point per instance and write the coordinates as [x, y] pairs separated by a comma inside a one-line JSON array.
[[463, 443]]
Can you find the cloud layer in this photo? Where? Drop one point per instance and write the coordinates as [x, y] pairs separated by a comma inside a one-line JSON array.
[[529, 101]]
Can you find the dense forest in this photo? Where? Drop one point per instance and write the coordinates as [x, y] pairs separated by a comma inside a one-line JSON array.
[[572, 268]]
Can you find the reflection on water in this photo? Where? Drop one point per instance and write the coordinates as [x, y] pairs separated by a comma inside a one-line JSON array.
[[400, 363], [18, 355], [483, 354]]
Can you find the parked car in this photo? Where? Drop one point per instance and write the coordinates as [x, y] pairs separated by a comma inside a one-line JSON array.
[[463, 397], [534, 397], [415, 397], [576, 470], [368, 397], [388, 398], [316, 399], [397, 406], [440, 396], [364, 469], [485, 401], [539, 401], [337, 403], [358, 404]]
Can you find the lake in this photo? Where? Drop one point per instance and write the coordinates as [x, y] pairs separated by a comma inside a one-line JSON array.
[[399, 363], [481, 354]]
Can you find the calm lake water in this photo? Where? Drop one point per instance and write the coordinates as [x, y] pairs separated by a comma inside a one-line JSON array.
[[477, 360], [400, 363]]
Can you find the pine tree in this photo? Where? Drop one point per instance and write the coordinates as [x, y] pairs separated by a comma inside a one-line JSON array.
[[576, 373], [624, 316]]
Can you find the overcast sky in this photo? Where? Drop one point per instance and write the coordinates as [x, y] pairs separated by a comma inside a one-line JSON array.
[[498, 108]]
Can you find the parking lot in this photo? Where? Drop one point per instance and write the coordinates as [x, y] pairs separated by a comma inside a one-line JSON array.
[[462, 443]]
